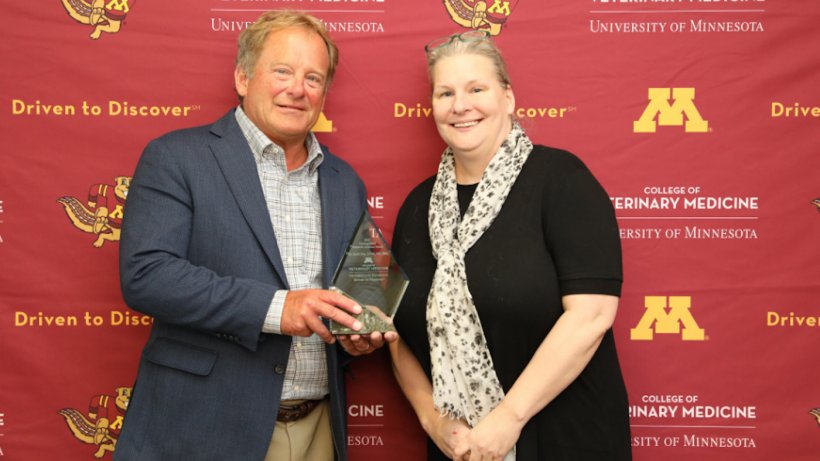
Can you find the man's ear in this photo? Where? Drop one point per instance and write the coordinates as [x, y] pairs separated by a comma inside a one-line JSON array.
[[240, 79]]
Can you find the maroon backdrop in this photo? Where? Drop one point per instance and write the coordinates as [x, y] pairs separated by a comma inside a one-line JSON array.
[[699, 117]]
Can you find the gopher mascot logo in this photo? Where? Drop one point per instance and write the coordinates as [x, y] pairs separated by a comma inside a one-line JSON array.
[[105, 16], [102, 425], [103, 215], [490, 15]]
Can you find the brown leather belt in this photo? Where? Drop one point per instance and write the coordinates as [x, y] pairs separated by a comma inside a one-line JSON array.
[[290, 413]]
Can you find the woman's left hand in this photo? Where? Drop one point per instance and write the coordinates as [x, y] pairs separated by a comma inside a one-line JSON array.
[[356, 345], [492, 438]]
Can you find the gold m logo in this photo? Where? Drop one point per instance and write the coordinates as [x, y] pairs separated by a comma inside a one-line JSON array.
[[322, 125], [671, 114], [500, 7], [667, 323], [118, 5]]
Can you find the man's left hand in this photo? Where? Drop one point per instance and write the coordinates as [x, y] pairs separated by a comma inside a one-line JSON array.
[[364, 344]]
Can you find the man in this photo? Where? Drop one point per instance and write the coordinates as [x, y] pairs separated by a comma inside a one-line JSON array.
[[230, 232]]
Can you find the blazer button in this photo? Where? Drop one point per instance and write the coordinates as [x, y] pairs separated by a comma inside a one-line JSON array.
[[279, 369]]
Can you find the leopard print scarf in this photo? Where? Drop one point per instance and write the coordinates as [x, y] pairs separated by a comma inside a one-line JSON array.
[[464, 381]]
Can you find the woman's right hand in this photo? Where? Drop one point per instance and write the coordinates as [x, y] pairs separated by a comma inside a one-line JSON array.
[[447, 433]]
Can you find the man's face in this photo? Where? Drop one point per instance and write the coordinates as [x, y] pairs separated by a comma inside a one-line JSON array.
[[286, 93]]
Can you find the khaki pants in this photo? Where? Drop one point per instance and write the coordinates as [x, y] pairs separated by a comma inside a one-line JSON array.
[[308, 439]]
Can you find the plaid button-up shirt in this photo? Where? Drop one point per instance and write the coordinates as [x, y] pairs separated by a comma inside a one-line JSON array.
[[295, 211]]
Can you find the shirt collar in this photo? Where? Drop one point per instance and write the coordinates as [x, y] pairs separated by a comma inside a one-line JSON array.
[[260, 143]]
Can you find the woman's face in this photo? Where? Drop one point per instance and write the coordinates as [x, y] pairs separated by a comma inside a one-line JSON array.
[[471, 107]]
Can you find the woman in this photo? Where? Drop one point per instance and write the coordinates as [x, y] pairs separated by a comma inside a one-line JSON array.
[[506, 348]]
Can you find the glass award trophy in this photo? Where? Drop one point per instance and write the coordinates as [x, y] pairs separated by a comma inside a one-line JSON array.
[[369, 275]]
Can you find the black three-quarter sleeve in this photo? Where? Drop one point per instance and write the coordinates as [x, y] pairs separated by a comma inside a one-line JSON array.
[[582, 234]]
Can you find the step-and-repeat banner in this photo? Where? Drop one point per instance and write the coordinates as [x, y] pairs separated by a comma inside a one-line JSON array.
[[699, 117]]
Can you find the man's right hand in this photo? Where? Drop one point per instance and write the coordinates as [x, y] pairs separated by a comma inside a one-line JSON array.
[[304, 309]]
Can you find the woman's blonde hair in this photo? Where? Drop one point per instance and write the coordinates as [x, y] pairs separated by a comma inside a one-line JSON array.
[[478, 44]]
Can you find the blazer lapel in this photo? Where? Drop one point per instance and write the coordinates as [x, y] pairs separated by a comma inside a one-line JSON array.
[[334, 216], [239, 168]]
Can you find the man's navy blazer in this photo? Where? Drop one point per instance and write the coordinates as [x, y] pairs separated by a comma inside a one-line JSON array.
[[198, 254]]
